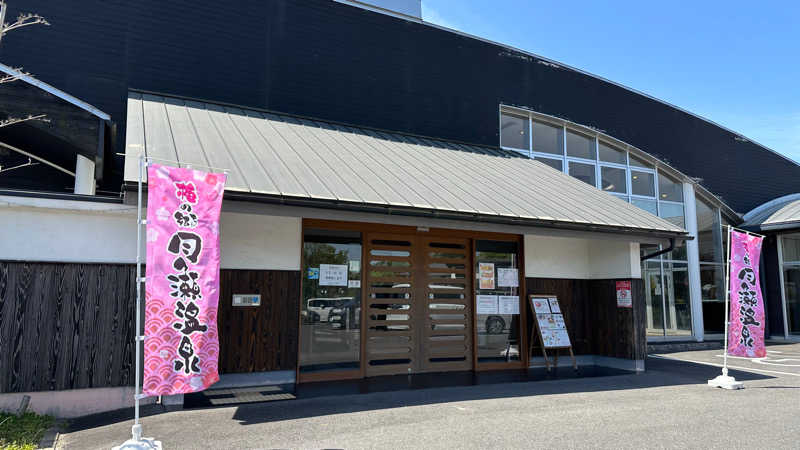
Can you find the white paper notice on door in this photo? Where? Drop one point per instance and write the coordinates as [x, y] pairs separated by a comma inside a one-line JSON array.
[[486, 304], [509, 304], [333, 274], [507, 277]]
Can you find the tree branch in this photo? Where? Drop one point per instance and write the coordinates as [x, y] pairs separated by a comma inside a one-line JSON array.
[[9, 78], [23, 20], [20, 166], [13, 120]]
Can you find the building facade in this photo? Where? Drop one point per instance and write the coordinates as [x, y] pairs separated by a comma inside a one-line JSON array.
[[357, 135]]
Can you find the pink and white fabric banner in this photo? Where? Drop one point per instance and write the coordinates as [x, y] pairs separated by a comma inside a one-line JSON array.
[[746, 330], [181, 348]]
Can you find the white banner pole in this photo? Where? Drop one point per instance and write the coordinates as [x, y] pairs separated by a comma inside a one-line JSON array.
[[137, 427], [724, 381], [727, 302], [136, 442]]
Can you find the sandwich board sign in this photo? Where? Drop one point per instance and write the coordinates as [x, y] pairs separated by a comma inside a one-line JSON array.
[[551, 328]]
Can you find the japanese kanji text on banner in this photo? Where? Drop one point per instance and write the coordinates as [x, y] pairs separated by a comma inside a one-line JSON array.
[[746, 331], [182, 280]]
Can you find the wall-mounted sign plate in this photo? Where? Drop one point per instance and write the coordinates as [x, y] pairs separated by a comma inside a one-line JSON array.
[[246, 300]]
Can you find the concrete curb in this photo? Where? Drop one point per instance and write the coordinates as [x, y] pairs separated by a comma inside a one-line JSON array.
[[50, 439]]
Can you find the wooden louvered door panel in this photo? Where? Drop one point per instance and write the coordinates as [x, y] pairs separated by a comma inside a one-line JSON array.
[[444, 306], [391, 334]]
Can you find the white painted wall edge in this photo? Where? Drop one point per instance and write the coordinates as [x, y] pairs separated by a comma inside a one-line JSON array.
[[74, 403], [352, 216], [49, 230]]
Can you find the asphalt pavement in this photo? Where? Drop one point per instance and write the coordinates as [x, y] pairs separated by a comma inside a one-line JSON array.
[[668, 406]]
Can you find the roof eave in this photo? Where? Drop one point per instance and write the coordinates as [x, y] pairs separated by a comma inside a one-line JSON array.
[[438, 214]]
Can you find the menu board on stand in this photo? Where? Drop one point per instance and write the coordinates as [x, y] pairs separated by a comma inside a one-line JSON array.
[[551, 328]]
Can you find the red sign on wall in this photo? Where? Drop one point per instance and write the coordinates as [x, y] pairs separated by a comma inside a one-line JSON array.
[[624, 299]]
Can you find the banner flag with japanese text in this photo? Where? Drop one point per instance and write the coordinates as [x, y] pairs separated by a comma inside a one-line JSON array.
[[181, 347], [746, 330]]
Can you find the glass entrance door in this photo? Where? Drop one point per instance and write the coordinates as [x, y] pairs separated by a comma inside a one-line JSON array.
[[330, 310], [499, 337]]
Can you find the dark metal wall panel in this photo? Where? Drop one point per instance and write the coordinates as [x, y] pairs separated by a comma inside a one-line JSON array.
[[65, 326], [259, 338], [323, 59], [595, 324]]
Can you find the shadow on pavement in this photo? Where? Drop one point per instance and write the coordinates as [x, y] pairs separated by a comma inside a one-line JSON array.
[[327, 398]]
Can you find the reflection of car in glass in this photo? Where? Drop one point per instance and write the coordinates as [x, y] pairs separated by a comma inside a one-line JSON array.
[[322, 307], [310, 316], [346, 310], [495, 325]]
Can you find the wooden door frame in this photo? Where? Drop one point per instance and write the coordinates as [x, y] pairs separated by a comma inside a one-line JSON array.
[[372, 227]]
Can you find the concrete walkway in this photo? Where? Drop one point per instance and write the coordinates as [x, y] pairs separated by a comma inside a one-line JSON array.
[[669, 406]]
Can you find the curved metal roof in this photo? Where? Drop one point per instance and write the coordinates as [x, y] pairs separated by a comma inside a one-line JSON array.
[[779, 214]]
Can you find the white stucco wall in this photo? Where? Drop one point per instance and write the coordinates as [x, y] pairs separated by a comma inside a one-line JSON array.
[[58, 231], [556, 257], [578, 258], [614, 259], [252, 241]]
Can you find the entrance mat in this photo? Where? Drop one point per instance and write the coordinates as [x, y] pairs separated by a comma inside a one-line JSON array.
[[237, 396]]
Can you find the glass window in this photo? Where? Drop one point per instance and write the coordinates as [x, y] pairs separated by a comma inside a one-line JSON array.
[[672, 212], [724, 233], [554, 163], [548, 138], [583, 172], [791, 247], [678, 254], [678, 313], [712, 282], [647, 205], [613, 180], [654, 291], [643, 183], [708, 233], [638, 162], [669, 189], [791, 284], [514, 132], [498, 334], [607, 153], [330, 330], [580, 146]]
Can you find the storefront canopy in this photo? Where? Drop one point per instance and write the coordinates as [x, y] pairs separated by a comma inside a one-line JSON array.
[[780, 214], [299, 161]]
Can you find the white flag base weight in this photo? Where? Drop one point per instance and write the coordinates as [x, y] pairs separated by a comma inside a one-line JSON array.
[[725, 382], [138, 442]]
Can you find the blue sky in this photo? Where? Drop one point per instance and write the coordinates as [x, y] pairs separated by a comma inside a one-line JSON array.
[[736, 63]]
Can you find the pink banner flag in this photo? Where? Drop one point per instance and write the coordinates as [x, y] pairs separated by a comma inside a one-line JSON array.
[[181, 349], [746, 330]]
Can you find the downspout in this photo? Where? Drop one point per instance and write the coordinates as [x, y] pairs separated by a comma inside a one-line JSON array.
[[661, 252]]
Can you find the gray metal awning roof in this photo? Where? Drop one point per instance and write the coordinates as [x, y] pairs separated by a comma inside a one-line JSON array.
[[782, 213], [291, 160]]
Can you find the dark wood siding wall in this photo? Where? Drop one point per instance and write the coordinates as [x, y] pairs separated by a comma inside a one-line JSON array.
[[71, 326], [596, 326], [65, 326], [259, 338]]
